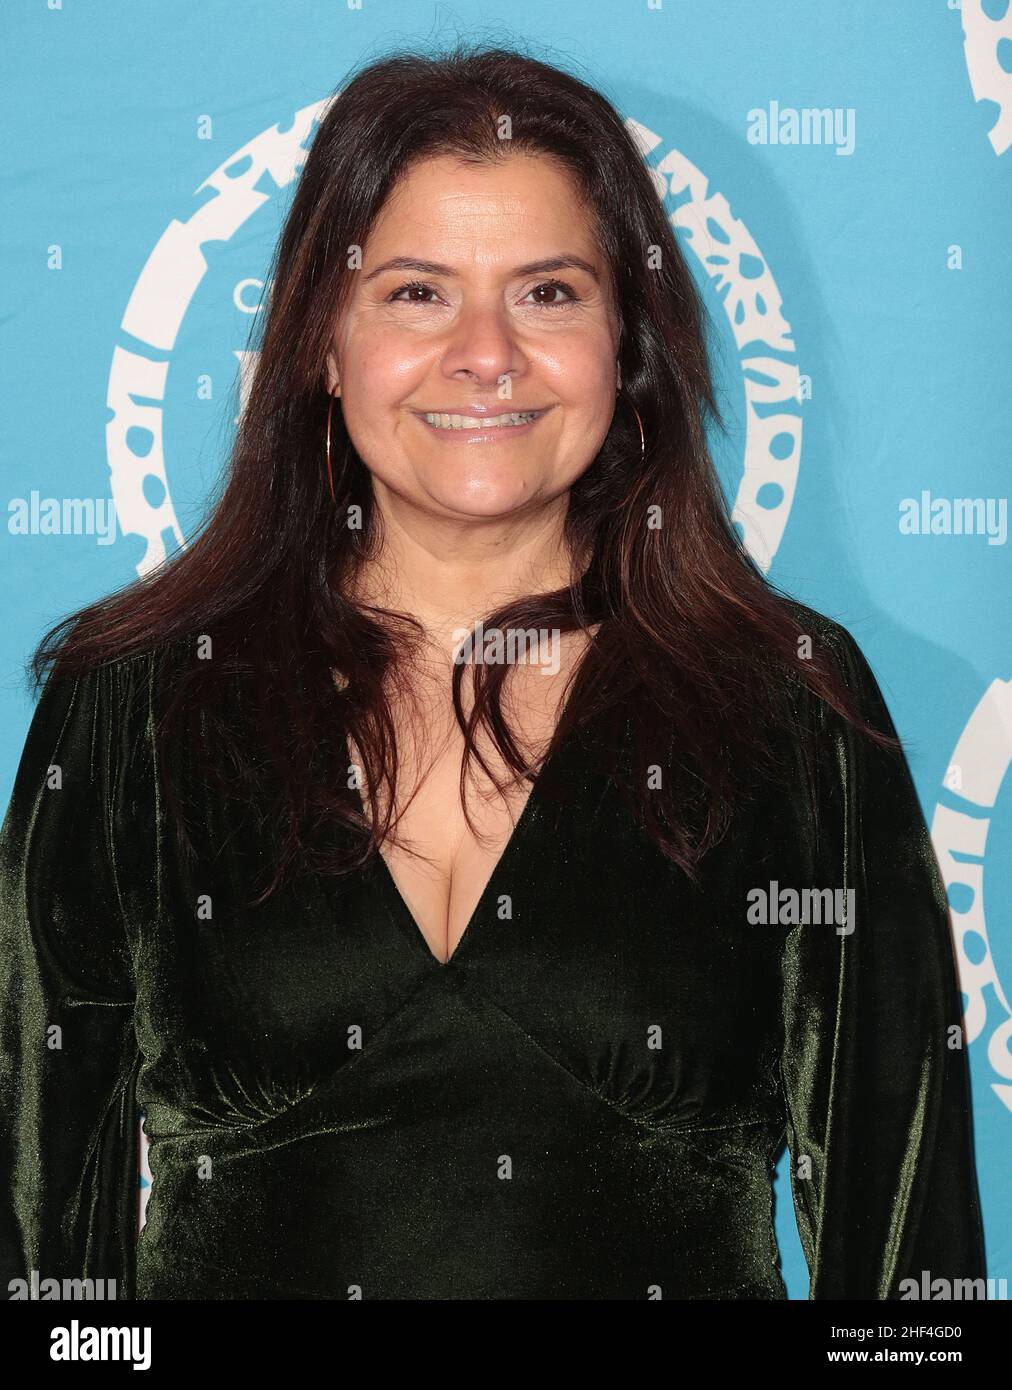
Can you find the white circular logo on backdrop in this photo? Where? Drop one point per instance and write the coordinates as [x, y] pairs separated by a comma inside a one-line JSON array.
[[155, 313], [985, 38], [743, 281], [172, 274], [976, 772]]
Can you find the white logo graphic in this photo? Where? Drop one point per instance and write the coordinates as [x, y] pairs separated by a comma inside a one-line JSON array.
[[753, 305], [157, 307], [982, 38], [975, 775]]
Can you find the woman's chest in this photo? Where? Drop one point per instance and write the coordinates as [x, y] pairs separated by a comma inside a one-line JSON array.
[[451, 823], [445, 852], [599, 953]]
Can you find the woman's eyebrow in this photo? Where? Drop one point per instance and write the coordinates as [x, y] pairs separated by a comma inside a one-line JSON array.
[[550, 263]]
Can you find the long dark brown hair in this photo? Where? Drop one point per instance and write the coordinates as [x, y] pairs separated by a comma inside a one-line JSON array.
[[693, 638]]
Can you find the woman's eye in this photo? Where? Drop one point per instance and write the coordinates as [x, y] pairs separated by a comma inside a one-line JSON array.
[[414, 285], [553, 285]]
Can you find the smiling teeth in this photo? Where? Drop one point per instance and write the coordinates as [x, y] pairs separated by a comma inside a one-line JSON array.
[[468, 422]]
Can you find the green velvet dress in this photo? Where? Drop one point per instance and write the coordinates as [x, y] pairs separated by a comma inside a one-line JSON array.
[[586, 1102]]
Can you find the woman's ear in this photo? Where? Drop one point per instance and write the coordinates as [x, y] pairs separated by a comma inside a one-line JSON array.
[[331, 374]]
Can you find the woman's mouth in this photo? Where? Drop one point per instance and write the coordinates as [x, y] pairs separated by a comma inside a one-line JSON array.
[[473, 428]]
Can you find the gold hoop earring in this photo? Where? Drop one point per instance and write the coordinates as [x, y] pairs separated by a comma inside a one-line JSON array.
[[330, 471], [643, 442]]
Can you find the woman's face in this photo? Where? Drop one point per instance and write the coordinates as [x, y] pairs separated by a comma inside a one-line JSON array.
[[480, 330]]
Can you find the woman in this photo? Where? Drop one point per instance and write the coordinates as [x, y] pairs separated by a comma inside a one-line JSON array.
[[418, 849]]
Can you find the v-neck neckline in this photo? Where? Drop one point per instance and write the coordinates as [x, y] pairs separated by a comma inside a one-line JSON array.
[[528, 813], [396, 902]]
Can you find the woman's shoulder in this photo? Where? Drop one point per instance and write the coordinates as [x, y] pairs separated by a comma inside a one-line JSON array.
[[100, 709], [824, 631], [830, 642], [113, 676]]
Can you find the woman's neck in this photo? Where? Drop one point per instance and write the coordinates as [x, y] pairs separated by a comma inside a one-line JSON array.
[[448, 574]]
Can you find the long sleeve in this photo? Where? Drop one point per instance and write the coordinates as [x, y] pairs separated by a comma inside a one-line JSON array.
[[68, 1052], [874, 1063]]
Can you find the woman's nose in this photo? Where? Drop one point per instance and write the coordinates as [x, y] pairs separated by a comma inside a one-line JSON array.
[[483, 343]]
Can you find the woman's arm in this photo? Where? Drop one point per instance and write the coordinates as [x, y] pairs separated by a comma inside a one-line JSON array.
[[68, 1052], [874, 1063]]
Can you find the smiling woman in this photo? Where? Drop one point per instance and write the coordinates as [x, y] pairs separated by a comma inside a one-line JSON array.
[[438, 975]]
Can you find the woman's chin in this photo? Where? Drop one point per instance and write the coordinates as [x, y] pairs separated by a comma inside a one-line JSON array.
[[482, 501]]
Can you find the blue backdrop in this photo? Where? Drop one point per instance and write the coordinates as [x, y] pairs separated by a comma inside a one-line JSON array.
[[839, 176]]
